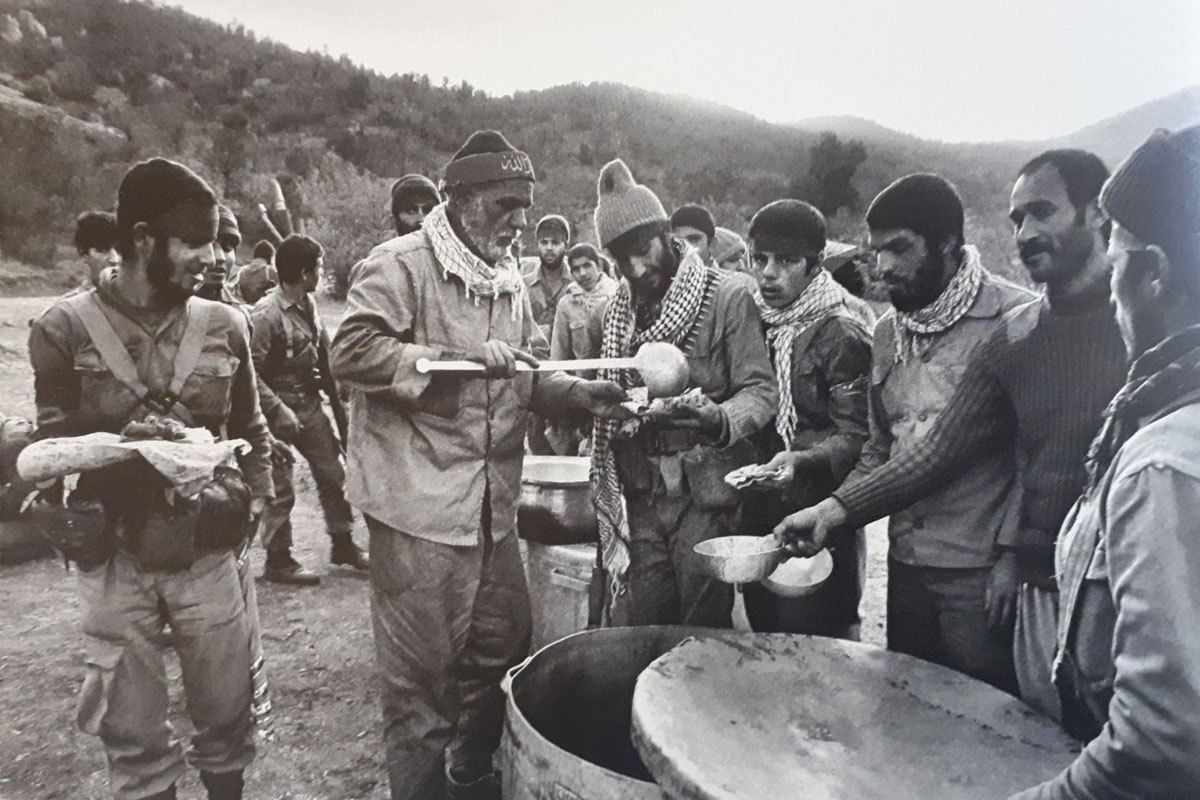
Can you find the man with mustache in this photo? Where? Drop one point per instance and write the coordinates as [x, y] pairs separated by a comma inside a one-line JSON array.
[[1128, 557], [1041, 383], [107, 357], [660, 489], [948, 567], [434, 463]]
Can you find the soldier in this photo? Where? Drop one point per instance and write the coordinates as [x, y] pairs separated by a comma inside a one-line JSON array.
[[291, 353], [102, 359]]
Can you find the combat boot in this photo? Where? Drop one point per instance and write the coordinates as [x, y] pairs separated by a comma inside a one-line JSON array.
[[347, 554], [223, 785]]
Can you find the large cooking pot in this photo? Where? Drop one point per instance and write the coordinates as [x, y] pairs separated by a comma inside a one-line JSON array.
[[556, 501], [568, 713]]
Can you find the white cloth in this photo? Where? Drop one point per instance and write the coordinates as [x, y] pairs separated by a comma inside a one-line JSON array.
[[187, 464]]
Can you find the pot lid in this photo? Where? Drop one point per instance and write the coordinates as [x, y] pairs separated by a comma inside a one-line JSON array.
[[556, 470], [780, 715]]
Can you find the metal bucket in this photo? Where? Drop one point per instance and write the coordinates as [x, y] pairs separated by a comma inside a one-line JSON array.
[[568, 713], [556, 501]]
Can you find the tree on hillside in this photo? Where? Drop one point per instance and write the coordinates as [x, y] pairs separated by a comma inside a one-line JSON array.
[[831, 167]]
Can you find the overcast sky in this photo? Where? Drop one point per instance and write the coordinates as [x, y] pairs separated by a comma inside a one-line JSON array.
[[944, 69]]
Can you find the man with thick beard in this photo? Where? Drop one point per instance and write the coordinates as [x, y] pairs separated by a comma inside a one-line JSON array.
[[413, 197], [945, 571], [1041, 382], [138, 344], [434, 463], [670, 471], [1128, 557]]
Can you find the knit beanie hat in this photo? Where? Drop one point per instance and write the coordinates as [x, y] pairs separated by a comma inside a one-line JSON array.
[[487, 156], [694, 216], [227, 224], [153, 188], [788, 226], [928, 205], [553, 222], [1155, 194], [411, 187], [726, 245], [622, 204]]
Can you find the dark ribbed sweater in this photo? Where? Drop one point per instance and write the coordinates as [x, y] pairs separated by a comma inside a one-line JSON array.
[[1044, 379]]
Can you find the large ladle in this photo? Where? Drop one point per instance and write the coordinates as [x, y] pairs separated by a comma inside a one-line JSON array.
[[663, 367]]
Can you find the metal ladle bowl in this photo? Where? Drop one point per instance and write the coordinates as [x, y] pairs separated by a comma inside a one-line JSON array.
[[664, 369], [739, 559]]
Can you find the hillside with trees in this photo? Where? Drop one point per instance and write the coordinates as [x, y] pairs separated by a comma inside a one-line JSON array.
[[87, 87]]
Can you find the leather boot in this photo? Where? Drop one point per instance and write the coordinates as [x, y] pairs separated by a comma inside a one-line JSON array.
[[485, 788], [346, 553], [223, 785]]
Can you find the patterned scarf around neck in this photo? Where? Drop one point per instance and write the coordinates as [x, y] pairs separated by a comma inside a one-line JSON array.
[[822, 296], [480, 280], [916, 330], [1158, 378], [687, 295]]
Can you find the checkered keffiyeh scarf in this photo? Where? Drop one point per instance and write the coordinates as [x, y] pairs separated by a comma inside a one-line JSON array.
[[915, 330], [821, 297], [681, 306], [480, 279], [1158, 378]]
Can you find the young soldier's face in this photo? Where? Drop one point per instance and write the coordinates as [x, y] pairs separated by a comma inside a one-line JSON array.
[[696, 238], [782, 277], [585, 272]]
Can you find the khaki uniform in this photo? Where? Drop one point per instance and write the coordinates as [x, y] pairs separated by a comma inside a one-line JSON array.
[[291, 353], [434, 463], [673, 481], [127, 608]]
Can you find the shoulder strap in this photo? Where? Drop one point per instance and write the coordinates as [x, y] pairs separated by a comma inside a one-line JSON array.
[[289, 332], [187, 356], [108, 344]]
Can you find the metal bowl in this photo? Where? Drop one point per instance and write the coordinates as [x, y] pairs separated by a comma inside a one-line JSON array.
[[739, 559], [797, 577], [556, 501]]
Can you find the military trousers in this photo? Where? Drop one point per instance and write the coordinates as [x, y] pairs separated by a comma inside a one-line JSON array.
[[319, 445], [448, 623], [127, 611]]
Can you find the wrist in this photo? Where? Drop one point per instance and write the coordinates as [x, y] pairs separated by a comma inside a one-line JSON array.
[[831, 509]]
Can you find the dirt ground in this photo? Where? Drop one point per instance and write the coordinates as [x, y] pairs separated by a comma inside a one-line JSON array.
[[327, 729]]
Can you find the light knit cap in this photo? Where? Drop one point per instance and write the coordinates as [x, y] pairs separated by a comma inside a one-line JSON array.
[[623, 204]]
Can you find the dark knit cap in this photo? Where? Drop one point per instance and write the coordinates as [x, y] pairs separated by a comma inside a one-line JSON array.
[[152, 188], [227, 224], [487, 156], [413, 187], [788, 226], [694, 216], [928, 205], [553, 222], [1155, 194]]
